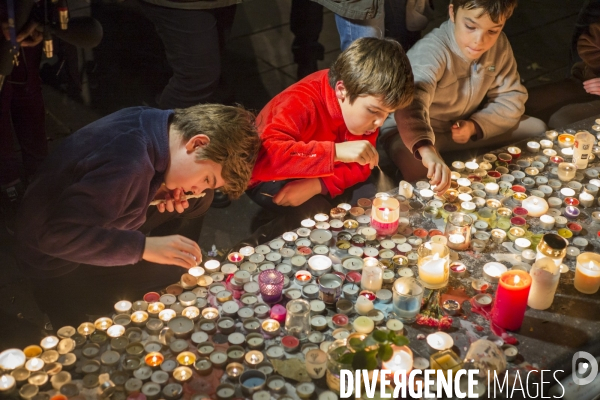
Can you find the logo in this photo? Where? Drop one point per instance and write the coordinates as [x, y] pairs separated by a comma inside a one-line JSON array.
[[584, 372]]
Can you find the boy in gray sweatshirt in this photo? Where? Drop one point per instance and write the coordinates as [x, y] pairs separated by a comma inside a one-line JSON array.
[[468, 93]]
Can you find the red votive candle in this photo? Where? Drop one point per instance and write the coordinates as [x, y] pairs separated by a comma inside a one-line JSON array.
[[290, 343], [420, 233], [278, 313], [353, 277], [519, 189], [511, 299], [368, 294], [520, 212], [571, 201], [151, 297], [518, 221]]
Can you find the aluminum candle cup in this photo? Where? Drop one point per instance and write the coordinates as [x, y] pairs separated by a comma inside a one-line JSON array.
[[330, 288]]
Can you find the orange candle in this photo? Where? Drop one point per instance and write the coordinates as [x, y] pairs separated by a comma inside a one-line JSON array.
[[154, 359], [587, 273]]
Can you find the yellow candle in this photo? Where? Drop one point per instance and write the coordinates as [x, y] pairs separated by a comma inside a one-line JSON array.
[[587, 273], [186, 358]]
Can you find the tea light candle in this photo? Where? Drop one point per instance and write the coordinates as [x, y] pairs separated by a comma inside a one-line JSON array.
[[50, 342], [515, 152], [493, 270], [533, 147], [123, 307], [511, 299], [271, 327], [210, 313], [426, 194], [492, 188], [154, 359], [7, 385], [115, 331], [182, 374], [253, 358], [566, 171], [402, 360], [153, 309], [363, 305], [587, 273], [186, 358], [190, 312], [586, 199], [547, 222], [566, 140], [498, 235], [405, 189], [471, 166], [571, 212], [34, 364], [458, 166], [363, 324], [319, 265], [522, 244], [439, 341], [463, 182], [138, 318]]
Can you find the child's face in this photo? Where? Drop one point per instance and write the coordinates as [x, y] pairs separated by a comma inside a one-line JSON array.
[[191, 175], [475, 33], [365, 115]]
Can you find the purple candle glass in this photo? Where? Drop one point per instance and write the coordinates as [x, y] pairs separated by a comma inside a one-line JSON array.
[[270, 283]]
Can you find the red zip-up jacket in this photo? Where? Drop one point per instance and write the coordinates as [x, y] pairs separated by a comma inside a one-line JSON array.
[[298, 129]]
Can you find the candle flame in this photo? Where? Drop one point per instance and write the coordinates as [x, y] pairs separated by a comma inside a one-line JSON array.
[[517, 279], [386, 214], [253, 358], [154, 359], [186, 359], [593, 266]]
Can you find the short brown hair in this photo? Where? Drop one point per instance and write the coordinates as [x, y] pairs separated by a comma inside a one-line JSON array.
[[234, 141], [494, 8], [375, 67]]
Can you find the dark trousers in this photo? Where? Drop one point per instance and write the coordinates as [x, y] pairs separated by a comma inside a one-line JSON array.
[[91, 290], [194, 42], [306, 23], [395, 24], [22, 107]]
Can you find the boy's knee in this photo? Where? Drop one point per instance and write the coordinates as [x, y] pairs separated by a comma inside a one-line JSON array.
[[535, 125]]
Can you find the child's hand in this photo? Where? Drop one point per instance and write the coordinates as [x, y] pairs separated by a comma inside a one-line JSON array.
[[174, 201], [462, 131], [172, 250], [438, 172], [592, 86], [360, 151], [297, 192]]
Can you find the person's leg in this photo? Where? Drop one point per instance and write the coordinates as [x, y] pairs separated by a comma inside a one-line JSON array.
[[306, 23], [395, 24], [352, 29], [9, 161], [27, 109], [191, 41], [410, 168]]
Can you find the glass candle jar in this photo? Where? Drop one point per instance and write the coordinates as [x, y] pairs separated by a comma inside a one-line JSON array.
[[433, 263], [330, 288], [458, 231], [297, 319], [372, 275], [552, 246], [270, 283], [385, 213], [334, 367], [587, 273], [566, 171], [407, 297]]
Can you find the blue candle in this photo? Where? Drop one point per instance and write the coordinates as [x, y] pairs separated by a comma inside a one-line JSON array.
[[253, 382], [572, 212]]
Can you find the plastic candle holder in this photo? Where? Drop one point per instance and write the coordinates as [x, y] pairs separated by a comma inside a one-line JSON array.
[[510, 302], [458, 231], [297, 319], [271, 285], [544, 276]]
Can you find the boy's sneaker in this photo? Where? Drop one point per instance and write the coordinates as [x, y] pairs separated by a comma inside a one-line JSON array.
[[10, 199]]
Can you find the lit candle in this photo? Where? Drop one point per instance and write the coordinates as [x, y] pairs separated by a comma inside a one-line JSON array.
[[426, 194], [471, 165], [515, 152], [535, 206], [385, 213], [186, 358], [191, 312], [166, 315], [196, 271], [402, 360], [566, 171], [544, 281], [271, 327], [372, 275], [433, 264], [405, 189], [566, 140], [154, 359], [458, 166], [254, 357], [210, 313], [363, 305], [493, 270], [212, 266], [86, 328], [7, 385], [363, 325], [115, 331], [319, 265], [303, 277], [587, 273], [50, 342], [234, 258], [153, 309], [510, 302], [34, 364], [182, 374], [407, 296], [123, 307], [571, 212], [533, 147], [138, 318]]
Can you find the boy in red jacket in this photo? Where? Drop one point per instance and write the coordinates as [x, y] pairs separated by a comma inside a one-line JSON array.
[[318, 136]]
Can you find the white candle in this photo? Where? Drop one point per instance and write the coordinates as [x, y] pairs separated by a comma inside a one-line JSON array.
[[493, 270], [363, 305], [49, 342], [363, 324], [34, 364], [535, 206], [586, 199], [7, 383], [405, 189], [212, 266], [456, 238], [426, 194], [123, 307], [547, 222], [12, 359], [465, 182], [319, 264], [468, 206], [492, 188], [463, 197], [471, 166], [567, 192], [545, 275], [115, 331], [196, 271], [402, 360], [587, 273], [522, 244], [439, 341], [372, 276], [458, 166], [546, 144], [433, 269]]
